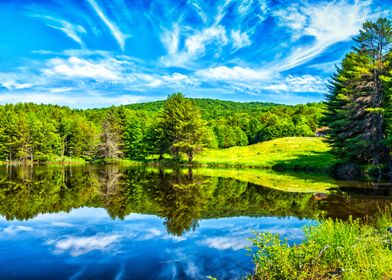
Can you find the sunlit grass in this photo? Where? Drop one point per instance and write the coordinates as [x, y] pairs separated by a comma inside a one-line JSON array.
[[290, 153], [289, 182]]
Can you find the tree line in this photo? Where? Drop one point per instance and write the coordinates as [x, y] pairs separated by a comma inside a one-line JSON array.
[[177, 126]]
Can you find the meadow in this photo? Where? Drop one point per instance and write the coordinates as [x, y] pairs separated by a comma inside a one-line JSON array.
[[288, 153]]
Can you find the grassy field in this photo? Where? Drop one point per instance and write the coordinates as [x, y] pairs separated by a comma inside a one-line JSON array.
[[290, 153]]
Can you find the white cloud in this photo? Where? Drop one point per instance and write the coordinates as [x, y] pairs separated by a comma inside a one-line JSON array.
[[237, 73], [327, 22], [81, 68], [73, 31], [11, 84], [77, 246], [199, 10], [305, 83], [180, 80], [60, 89], [245, 6], [277, 87], [154, 83], [170, 39], [221, 10], [175, 77], [255, 81], [196, 43], [116, 32], [239, 39], [291, 17]]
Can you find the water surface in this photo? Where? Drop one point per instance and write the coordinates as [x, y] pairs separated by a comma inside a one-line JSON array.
[[115, 222]]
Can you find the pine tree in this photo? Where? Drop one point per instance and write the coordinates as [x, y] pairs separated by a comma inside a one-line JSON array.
[[180, 127], [357, 100]]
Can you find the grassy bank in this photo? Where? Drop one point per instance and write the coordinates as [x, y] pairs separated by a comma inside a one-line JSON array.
[[290, 153], [331, 250], [51, 161]]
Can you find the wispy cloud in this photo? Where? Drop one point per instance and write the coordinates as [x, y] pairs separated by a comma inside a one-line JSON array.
[[12, 84], [194, 45], [240, 39], [237, 73], [73, 31], [114, 29], [242, 50], [326, 22]]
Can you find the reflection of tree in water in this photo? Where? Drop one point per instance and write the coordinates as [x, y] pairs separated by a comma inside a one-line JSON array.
[[24, 195], [175, 195], [111, 184], [181, 198]]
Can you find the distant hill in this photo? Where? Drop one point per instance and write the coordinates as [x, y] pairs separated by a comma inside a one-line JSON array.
[[211, 108]]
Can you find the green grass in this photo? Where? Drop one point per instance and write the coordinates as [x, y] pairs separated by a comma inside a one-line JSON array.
[[331, 250], [283, 181], [66, 161], [290, 153], [55, 160]]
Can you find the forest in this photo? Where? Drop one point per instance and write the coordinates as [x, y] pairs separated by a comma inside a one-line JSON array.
[[40, 133]]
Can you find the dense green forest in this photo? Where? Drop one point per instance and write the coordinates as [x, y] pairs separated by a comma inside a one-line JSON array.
[[179, 126]]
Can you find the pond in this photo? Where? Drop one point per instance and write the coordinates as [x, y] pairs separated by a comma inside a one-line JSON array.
[[113, 222]]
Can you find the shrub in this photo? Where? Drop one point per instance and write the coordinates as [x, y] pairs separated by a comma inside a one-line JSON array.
[[333, 249]]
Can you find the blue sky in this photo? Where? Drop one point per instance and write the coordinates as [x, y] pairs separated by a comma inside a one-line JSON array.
[[95, 53]]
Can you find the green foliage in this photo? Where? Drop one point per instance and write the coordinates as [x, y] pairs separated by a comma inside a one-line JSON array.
[[181, 127], [333, 249], [358, 105], [39, 133], [290, 153], [136, 136], [227, 118]]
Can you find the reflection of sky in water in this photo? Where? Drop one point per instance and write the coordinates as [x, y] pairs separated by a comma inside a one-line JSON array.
[[85, 243]]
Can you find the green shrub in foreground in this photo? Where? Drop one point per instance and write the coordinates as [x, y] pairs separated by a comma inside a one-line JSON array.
[[331, 250]]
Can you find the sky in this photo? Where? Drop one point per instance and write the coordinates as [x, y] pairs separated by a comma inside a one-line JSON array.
[[97, 53]]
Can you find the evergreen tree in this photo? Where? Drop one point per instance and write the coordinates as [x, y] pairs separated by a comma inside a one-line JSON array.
[[358, 98], [181, 128]]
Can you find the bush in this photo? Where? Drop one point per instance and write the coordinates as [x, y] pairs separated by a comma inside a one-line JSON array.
[[332, 249]]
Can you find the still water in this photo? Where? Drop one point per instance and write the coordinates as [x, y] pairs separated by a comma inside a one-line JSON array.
[[117, 222]]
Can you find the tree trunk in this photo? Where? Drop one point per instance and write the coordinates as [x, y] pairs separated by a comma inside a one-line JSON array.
[[190, 154]]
